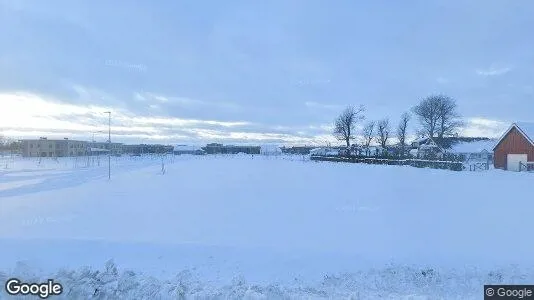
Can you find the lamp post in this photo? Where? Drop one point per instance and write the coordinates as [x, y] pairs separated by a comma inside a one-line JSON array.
[[93, 147], [109, 144], [94, 132]]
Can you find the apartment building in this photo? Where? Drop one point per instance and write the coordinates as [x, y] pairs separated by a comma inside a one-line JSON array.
[[44, 147]]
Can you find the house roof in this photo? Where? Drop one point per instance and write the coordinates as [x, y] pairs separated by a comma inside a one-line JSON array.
[[420, 140], [431, 143], [528, 129], [525, 128], [473, 147], [448, 143]]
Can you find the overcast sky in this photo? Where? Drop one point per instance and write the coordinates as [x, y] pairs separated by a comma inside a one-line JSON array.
[[257, 71]]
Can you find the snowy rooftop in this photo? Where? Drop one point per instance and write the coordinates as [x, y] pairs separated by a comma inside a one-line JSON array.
[[473, 147], [527, 128], [419, 140]]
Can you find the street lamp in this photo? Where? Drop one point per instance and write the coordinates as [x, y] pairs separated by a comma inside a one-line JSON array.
[[93, 147], [109, 143], [100, 131]]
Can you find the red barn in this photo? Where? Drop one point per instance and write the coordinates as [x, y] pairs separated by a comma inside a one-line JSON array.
[[515, 150]]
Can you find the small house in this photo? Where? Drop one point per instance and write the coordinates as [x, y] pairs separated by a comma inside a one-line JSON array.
[[430, 150], [481, 150], [514, 151], [418, 142]]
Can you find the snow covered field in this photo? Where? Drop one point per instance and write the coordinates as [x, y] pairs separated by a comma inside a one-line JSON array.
[[263, 228]]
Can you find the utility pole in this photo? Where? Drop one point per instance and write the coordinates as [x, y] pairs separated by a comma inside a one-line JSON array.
[[109, 144]]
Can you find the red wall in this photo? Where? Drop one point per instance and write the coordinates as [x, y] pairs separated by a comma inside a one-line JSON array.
[[513, 143]]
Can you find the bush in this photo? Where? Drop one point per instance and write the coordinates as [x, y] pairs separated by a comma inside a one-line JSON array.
[[418, 163]]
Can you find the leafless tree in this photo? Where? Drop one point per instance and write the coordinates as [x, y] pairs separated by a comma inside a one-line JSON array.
[[402, 130], [437, 115], [449, 119], [368, 134], [345, 124], [427, 113], [383, 132]]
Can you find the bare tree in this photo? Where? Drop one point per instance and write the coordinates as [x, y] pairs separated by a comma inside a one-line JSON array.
[[402, 130], [427, 113], [448, 121], [383, 132], [345, 124], [438, 115], [368, 134]]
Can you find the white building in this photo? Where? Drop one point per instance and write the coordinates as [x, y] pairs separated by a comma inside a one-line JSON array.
[[44, 147], [430, 150], [476, 150]]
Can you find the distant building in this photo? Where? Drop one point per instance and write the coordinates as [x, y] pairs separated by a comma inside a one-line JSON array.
[[98, 151], [270, 150], [514, 151], [474, 151], [184, 149], [454, 147], [213, 148], [230, 149], [325, 151], [297, 150], [44, 147], [147, 149], [116, 148], [430, 150]]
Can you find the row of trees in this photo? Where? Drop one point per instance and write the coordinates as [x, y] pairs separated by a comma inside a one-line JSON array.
[[437, 116], [8, 144]]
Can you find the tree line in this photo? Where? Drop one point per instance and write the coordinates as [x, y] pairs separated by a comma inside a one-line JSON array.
[[7, 144], [437, 116]]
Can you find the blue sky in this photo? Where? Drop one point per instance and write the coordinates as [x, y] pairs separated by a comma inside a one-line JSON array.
[[257, 71]]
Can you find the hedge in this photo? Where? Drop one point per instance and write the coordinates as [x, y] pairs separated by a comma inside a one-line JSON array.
[[418, 163]]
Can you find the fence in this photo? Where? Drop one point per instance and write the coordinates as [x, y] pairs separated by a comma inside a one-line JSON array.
[[418, 163], [479, 166], [528, 166]]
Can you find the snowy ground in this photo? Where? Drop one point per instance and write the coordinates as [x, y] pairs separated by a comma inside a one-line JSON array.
[[263, 228]]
